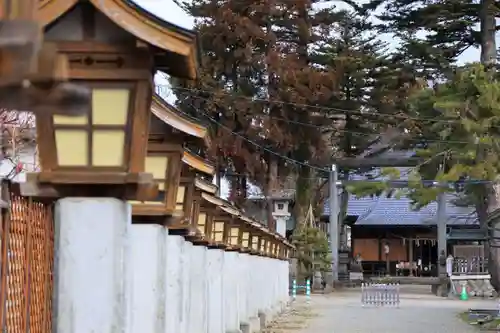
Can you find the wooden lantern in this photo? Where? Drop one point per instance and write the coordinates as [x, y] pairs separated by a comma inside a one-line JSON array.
[[272, 249], [279, 251], [170, 132], [165, 158], [225, 221], [221, 221], [255, 238], [239, 235], [264, 245], [193, 165], [245, 233], [207, 211], [114, 48], [197, 215]]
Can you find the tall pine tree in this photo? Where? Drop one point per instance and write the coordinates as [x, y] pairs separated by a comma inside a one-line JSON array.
[[232, 73]]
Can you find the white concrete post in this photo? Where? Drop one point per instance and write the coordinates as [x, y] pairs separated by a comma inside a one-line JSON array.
[[264, 287], [198, 290], [148, 278], [253, 292], [285, 268], [215, 258], [186, 250], [272, 305], [243, 288], [92, 265], [230, 287], [173, 304], [282, 288]]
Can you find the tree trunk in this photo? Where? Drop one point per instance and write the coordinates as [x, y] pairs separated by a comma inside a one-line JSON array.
[[302, 195], [272, 174], [488, 28], [344, 201], [488, 13]]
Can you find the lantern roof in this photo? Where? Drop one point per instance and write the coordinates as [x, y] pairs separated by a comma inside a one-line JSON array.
[[174, 43], [205, 186], [212, 199], [197, 162], [231, 210], [172, 117]]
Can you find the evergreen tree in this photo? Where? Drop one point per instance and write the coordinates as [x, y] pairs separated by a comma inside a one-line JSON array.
[[232, 73], [371, 87], [433, 34], [298, 84], [465, 147]]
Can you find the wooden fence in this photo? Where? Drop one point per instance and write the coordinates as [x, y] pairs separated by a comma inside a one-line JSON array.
[[27, 251]]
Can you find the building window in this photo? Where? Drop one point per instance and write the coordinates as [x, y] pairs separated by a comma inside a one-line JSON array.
[[281, 206]]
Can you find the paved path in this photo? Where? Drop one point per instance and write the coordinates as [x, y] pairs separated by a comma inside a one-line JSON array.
[[343, 313]]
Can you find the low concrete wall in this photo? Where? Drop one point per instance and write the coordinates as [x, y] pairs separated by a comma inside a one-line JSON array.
[[111, 275], [208, 290]]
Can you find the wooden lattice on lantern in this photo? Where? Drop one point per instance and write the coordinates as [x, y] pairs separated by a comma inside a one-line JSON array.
[[220, 214], [246, 233]]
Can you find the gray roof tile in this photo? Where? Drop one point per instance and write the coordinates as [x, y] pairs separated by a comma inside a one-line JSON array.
[[398, 211]]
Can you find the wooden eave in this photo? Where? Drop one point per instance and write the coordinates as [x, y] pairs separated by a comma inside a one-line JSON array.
[[172, 117], [231, 211], [205, 186], [176, 44], [222, 206], [198, 163], [216, 201]]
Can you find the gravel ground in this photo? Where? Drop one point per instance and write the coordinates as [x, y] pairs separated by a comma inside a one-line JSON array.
[[343, 313]]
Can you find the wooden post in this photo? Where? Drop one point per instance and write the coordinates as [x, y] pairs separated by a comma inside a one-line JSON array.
[[410, 255]]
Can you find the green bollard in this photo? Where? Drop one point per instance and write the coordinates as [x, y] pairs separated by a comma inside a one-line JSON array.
[[464, 296]]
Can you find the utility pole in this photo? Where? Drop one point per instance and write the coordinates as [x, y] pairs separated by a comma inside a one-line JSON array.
[[441, 230], [334, 222]]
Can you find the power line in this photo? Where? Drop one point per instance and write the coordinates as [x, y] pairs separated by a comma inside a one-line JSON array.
[[310, 106], [291, 160], [392, 182], [355, 132], [397, 183], [365, 134]]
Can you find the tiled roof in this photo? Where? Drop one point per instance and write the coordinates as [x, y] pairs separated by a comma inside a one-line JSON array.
[[397, 211]]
